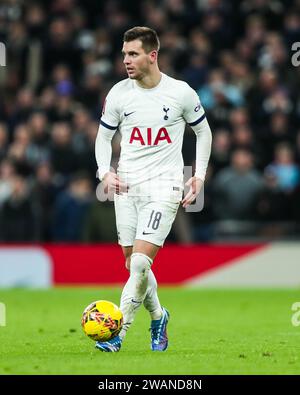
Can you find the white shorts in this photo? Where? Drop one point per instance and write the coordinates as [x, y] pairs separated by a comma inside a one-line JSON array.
[[144, 219]]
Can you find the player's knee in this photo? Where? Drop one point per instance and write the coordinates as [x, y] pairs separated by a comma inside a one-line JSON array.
[[140, 263]]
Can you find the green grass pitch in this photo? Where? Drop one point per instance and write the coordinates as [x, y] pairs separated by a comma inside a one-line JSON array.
[[210, 332]]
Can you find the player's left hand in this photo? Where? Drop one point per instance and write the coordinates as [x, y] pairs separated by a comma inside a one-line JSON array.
[[195, 185]]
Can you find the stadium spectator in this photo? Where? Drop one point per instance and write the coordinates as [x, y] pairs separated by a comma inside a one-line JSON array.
[[62, 155], [19, 217], [38, 149], [272, 205], [59, 46], [7, 171], [277, 131], [221, 148], [23, 107], [44, 191], [3, 140], [71, 208], [236, 188], [100, 223], [218, 89], [285, 169]]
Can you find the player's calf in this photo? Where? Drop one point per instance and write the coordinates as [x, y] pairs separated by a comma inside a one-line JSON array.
[[135, 289]]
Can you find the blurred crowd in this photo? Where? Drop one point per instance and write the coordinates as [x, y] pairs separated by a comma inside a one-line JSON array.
[[63, 56]]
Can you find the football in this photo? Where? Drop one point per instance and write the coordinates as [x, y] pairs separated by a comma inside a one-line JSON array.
[[102, 320]]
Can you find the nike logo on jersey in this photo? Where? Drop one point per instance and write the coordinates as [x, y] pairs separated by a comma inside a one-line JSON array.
[[129, 113], [146, 233]]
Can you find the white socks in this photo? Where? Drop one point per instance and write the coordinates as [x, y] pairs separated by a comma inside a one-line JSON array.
[[135, 289], [151, 301], [140, 287]]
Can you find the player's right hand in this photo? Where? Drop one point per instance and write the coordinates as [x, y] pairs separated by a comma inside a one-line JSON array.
[[112, 183], [195, 184]]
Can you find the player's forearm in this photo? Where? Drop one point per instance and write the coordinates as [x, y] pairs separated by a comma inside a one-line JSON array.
[[203, 148], [103, 151]]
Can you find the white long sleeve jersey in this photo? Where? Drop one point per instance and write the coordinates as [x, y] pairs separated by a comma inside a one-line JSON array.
[[152, 124]]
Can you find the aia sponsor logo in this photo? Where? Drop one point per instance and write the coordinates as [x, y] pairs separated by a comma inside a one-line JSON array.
[[150, 137]]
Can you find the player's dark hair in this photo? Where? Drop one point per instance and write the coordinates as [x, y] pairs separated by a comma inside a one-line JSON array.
[[148, 37]]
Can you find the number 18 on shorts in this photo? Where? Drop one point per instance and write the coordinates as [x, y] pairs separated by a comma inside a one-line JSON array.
[[144, 219]]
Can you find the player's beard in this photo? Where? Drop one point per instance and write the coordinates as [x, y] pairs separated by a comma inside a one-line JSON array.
[[135, 75], [138, 74]]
